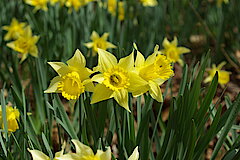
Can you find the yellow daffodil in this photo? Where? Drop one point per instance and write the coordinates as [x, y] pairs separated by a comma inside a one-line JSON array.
[[76, 4], [73, 79], [155, 70], [14, 30], [112, 6], [99, 42], [53, 2], [38, 155], [84, 152], [172, 51], [38, 4], [116, 79], [223, 76], [219, 2], [12, 115], [135, 155], [149, 3], [25, 44]]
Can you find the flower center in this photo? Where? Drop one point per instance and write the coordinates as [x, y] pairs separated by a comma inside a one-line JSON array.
[[116, 78], [172, 54], [161, 68], [71, 86], [100, 43]]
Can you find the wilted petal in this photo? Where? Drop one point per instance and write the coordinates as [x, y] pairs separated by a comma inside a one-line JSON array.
[[78, 60], [100, 93]]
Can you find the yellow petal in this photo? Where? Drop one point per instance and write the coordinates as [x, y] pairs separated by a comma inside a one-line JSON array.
[[182, 50], [127, 62], [155, 91], [38, 155], [88, 85], [139, 60], [138, 85], [94, 35], [98, 78], [219, 67], [89, 44], [110, 45], [121, 97], [166, 43], [175, 41], [135, 155], [105, 36], [104, 155], [151, 59], [59, 67], [24, 56], [53, 85], [78, 60], [100, 93], [82, 149], [208, 79], [224, 77], [106, 60]]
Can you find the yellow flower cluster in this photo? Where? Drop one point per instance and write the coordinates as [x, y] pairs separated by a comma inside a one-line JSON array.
[[23, 40], [83, 152], [112, 6], [115, 79], [12, 116], [71, 4]]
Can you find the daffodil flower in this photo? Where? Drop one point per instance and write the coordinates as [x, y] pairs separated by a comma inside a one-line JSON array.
[[84, 152], [149, 3], [112, 6], [172, 51], [155, 70], [38, 4], [12, 115], [117, 79], [223, 76], [76, 4], [38, 155], [99, 42], [73, 79], [25, 44], [14, 30]]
